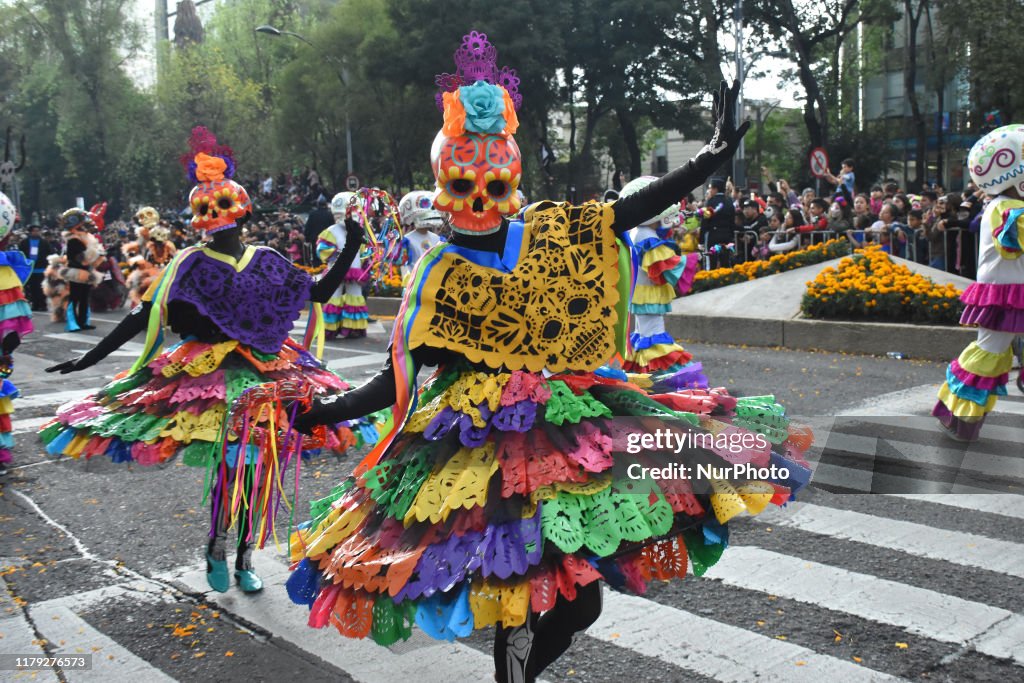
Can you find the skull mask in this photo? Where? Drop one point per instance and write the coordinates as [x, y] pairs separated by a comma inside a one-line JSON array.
[[417, 211], [339, 205], [147, 217], [218, 204], [477, 178], [8, 214], [7, 174]]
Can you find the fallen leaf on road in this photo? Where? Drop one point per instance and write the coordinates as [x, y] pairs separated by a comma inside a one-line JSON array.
[[229, 653], [902, 646], [857, 659], [800, 663], [781, 638]]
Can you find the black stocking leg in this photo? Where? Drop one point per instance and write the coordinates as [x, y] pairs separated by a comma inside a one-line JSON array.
[[513, 649], [217, 546], [243, 558], [555, 630]]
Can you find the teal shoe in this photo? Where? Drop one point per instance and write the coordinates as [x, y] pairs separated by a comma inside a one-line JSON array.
[[248, 581], [217, 574]]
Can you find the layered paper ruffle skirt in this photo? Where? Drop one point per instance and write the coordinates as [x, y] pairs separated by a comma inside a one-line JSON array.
[[15, 312], [978, 377], [177, 405], [345, 313], [506, 490], [974, 380], [994, 306], [7, 392], [667, 273]]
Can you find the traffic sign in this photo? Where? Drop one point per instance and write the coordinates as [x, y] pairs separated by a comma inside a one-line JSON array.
[[819, 162], [352, 182]]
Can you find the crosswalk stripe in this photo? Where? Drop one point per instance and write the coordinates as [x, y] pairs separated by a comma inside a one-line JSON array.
[[925, 612], [420, 658], [928, 455], [1004, 504], [957, 547], [853, 479], [1012, 407], [376, 359], [29, 424], [52, 398], [711, 648], [58, 623], [17, 634], [988, 432]]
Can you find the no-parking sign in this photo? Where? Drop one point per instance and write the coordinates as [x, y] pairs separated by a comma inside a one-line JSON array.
[[819, 162]]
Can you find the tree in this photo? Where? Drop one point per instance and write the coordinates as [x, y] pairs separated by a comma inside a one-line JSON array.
[[75, 51], [814, 33]]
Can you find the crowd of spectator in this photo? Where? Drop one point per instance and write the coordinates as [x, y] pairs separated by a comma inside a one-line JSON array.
[[933, 227]]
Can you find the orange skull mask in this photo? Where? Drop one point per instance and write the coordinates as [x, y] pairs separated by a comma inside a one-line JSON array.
[[217, 202], [477, 177]]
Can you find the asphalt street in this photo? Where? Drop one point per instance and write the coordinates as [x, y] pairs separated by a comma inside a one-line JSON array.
[[870, 576]]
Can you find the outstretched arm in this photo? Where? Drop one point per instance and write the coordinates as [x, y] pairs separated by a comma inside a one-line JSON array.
[[131, 325], [323, 289], [648, 202], [376, 394]]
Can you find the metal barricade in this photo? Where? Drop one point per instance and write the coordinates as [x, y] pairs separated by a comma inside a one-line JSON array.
[[744, 247]]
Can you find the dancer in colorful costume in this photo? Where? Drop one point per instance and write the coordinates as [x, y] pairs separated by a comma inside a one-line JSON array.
[[233, 306], [82, 251], [110, 292], [995, 303], [345, 313], [663, 272], [55, 288], [155, 239], [494, 500], [420, 219], [15, 322]]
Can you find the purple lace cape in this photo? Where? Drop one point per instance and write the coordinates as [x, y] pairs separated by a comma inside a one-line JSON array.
[[257, 306]]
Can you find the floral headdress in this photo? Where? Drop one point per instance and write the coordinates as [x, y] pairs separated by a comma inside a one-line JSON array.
[[478, 97]]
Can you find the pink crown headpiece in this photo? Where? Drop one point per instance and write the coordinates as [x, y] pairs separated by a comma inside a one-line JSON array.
[[477, 60]]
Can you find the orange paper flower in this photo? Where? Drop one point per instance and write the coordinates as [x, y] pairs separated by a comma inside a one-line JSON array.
[[209, 168], [511, 120], [454, 115]]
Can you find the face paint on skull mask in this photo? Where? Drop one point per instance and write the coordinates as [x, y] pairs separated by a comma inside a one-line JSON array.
[[477, 179]]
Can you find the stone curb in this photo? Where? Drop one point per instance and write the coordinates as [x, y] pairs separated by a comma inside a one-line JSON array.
[[923, 342]]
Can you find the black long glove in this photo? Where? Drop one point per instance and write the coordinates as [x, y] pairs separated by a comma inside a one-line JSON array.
[[330, 282], [645, 204], [131, 325]]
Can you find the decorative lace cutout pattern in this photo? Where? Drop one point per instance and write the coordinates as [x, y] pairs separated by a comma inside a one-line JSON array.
[[256, 306], [459, 483], [556, 309], [495, 602]]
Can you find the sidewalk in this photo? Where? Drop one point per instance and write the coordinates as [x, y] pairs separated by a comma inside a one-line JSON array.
[[766, 312]]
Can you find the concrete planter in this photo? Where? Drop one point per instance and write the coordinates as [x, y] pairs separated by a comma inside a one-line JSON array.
[[928, 342], [766, 312]]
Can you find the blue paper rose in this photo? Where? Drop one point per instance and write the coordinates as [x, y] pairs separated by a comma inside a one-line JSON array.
[[485, 107]]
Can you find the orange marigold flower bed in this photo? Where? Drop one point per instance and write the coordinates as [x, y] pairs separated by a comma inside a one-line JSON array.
[[871, 286], [751, 270]]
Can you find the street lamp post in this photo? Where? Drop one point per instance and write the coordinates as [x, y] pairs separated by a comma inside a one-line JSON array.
[[342, 73]]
